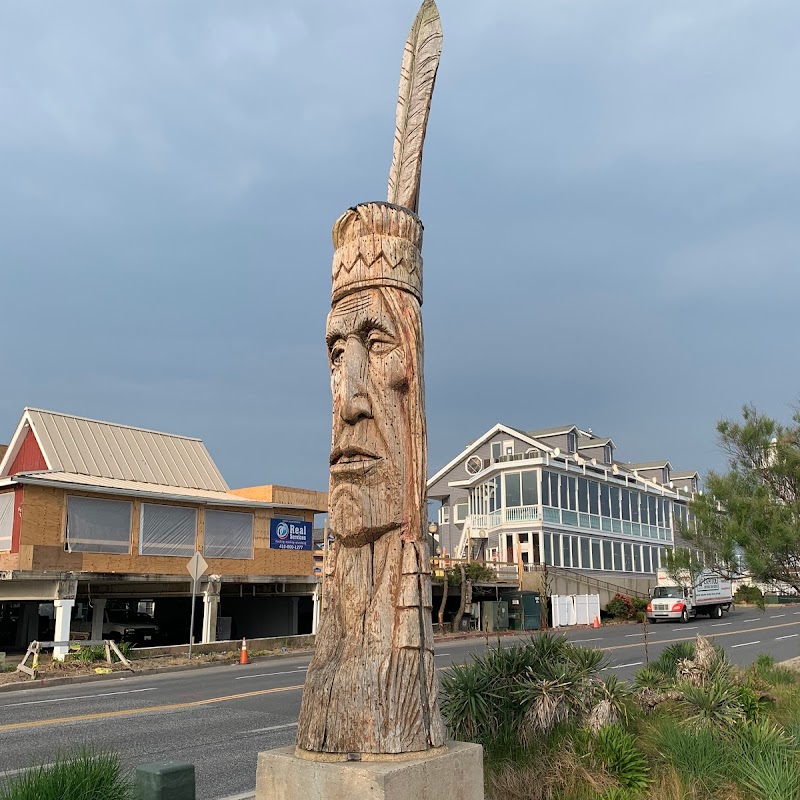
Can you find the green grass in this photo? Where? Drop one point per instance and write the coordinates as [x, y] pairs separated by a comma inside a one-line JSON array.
[[86, 775]]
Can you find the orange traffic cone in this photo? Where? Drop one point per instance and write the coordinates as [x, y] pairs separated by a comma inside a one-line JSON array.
[[243, 659], [596, 623]]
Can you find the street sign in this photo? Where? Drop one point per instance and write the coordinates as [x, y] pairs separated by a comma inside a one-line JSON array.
[[197, 566]]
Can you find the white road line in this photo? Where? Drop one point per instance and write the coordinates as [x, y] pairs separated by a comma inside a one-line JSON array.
[[776, 616], [439, 655], [578, 641], [744, 644], [629, 635], [718, 624], [795, 612], [79, 697], [10, 772], [690, 628], [790, 636], [622, 666], [274, 728], [270, 674]]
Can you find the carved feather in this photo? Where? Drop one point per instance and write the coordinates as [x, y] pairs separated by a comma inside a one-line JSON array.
[[417, 77]]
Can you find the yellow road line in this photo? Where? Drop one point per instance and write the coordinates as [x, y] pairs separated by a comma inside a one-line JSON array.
[[145, 709], [692, 638]]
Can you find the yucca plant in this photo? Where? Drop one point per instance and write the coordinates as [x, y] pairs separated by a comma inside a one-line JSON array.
[[715, 706], [467, 701], [610, 703], [615, 750], [667, 662], [700, 757], [771, 774]]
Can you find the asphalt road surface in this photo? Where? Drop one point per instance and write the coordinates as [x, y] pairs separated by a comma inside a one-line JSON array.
[[219, 718]]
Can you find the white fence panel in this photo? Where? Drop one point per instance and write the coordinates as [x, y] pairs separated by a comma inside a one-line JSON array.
[[563, 610], [586, 607]]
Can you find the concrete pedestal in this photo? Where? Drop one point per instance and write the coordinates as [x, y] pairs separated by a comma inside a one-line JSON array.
[[453, 773]]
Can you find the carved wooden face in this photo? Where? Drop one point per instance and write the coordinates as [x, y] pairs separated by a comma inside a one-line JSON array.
[[373, 349]]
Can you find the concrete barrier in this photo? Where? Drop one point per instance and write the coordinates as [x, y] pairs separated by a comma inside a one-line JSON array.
[[230, 646]]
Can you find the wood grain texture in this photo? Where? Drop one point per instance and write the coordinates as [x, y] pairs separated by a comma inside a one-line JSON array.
[[417, 78], [371, 686]]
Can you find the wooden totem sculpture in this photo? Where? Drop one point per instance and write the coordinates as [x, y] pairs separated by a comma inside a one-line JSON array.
[[371, 687]]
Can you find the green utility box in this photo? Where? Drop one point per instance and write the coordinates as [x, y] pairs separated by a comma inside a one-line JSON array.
[[165, 780], [532, 610], [494, 615], [524, 611]]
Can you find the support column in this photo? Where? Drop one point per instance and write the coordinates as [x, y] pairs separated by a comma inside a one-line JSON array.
[[316, 609], [210, 611], [98, 614], [294, 619], [63, 622]]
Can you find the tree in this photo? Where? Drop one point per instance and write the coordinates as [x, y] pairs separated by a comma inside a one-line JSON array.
[[751, 514]]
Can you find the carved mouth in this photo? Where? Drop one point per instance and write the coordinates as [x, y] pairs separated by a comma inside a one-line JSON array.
[[352, 458]]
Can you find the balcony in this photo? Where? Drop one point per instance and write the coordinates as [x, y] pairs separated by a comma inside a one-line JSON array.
[[506, 516]]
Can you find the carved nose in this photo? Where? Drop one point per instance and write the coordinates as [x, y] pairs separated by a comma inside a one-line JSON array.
[[354, 401]]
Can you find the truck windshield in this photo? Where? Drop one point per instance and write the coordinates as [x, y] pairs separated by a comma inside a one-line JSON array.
[[668, 591]]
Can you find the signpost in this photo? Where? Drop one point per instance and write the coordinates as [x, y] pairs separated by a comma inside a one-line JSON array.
[[197, 566]]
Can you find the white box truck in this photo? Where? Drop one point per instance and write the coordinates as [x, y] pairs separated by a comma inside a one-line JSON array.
[[710, 595]]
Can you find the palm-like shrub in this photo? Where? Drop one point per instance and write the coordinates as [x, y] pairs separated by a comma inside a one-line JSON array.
[[616, 751], [714, 706]]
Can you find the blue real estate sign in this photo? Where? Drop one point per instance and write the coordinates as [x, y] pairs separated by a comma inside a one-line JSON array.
[[289, 534]]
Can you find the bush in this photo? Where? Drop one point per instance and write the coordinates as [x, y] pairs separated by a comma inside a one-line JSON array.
[[616, 752], [87, 775], [749, 594], [622, 607]]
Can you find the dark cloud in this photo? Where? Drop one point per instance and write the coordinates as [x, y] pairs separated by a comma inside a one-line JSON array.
[[610, 198]]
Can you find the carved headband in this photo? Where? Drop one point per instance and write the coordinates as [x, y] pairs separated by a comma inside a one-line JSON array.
[[377, 244]]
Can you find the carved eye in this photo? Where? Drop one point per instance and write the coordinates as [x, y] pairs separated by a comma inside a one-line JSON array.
[[379, 343], [336, 354]]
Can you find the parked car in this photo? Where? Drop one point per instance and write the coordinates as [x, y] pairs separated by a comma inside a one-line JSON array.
[[121, 625]]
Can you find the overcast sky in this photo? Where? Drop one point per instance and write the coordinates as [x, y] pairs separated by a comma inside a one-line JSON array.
[[610, 197]]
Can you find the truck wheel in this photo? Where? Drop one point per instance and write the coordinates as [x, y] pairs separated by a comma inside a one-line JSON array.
[[716, 612], [685, 615]]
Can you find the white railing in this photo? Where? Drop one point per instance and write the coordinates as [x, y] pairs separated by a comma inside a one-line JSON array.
[[522, 514], [479, 522]]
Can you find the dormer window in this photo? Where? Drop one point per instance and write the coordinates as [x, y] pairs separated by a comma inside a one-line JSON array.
[[608, 454], [572, 442], [665, 476]]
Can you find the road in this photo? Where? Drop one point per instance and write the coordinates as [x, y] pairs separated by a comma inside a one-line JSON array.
[[219, 718]]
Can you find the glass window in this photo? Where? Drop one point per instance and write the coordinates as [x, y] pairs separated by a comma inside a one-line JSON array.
[[586, 562], [607, 563], [596, 563], [647, 561], [594, 500], [228, 534], [98, 526], [497, 450], [651, 505], [628, 558], [565, 550], [460, 510], [573, 492], [546, 488], [634, 507], [637, 558], [7, 520], [575, 562], [548, 549], [667, 508], [554, 489], [605, 501], [614, 502], [513, 493], [572, 441], [645, 510], [556, 550], [618, 556], [529, 482], [537, 556], [583, 495], [444, 515], [565, 492], [608, 453], [626, 505]]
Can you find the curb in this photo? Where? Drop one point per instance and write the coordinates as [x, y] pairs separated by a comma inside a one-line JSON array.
[[43, 683]]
